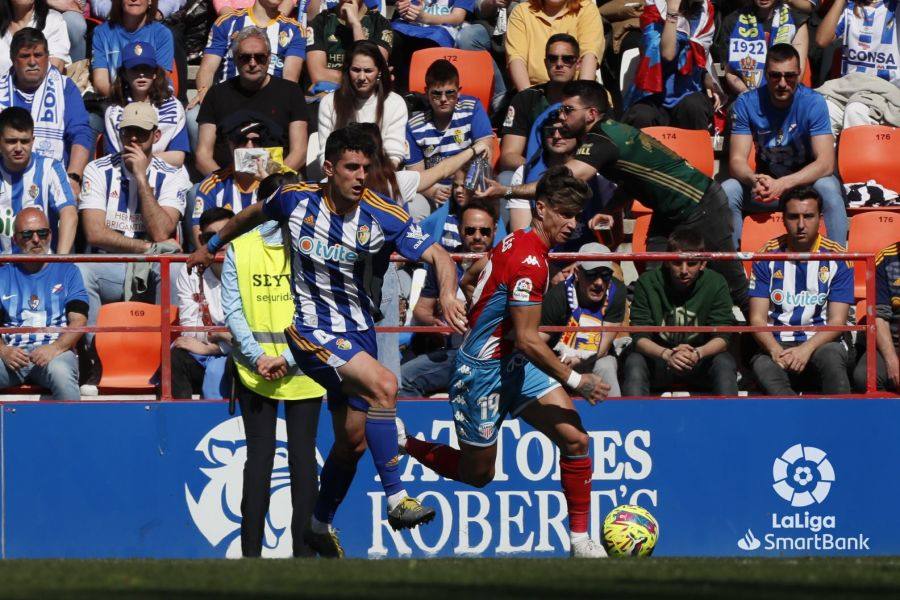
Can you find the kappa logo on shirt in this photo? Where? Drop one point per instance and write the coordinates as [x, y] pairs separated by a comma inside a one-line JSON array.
[[531, 260]]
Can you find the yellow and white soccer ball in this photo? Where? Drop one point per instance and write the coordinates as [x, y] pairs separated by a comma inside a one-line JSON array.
[[630, 530]]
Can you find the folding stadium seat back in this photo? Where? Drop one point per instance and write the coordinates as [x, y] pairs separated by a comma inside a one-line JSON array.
[[695, 146], [639, 239], [476, 71], [870, 152], [870, 231], [495, 151], [129, 359], [638, 209]]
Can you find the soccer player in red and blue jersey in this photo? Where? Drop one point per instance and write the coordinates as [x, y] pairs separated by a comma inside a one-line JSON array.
[[504, 367], [333, 232]]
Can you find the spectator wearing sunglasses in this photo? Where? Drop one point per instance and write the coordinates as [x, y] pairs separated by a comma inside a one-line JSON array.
[[591, 296], [28, 179], [451, 124], [787, 125], [429, 373], [683, 293], [561, 57], [255, 89], [40, 295], [198, 359]]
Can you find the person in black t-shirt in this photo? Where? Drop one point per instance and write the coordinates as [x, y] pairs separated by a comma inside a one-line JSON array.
[[561, 58], [254, 89]]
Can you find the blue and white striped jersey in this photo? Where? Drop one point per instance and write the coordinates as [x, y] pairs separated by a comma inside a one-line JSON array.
[[108, 186], [43, 183], [220, 190], [329, 252], [468, 124], [870, 43], [799, 291], [38, 300], [286, 38]]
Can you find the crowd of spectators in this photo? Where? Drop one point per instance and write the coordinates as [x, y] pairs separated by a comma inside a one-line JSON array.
[[104, 149]]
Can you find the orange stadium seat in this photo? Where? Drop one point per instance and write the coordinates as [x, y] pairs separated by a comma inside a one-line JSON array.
[[695, 146], [639, 239], [870, 231], [476, 71], [129, 360], [495, 152], [870, 152], [638, 209]]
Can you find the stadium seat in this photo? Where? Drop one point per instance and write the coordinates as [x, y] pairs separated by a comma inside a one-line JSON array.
[[638, 209], [129, 360], [476, 71], [870, 231], [495, 152], [870, 152], [762, 227], [639, 239], [695, 146]]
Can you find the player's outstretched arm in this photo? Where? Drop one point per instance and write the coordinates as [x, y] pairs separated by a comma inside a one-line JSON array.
[[239, 224], [445, 271], [526, 319]]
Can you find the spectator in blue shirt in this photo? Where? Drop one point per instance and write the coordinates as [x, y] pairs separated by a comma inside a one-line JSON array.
[[129, 22], [62, 131], [795, 292], [40, 295], [451, 124], [787, 124]]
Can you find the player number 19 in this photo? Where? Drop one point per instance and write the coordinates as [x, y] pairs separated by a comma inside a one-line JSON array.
[[489, 406]]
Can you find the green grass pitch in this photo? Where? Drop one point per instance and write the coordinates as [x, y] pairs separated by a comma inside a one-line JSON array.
[[462, 579]]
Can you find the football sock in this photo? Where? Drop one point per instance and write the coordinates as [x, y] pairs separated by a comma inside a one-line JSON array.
[[381, 437], [317, 525], [335, 480], [395, 499], [575, 473], [440, 458]]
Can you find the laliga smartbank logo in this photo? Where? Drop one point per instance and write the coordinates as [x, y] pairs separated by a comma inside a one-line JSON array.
[[803, 476]]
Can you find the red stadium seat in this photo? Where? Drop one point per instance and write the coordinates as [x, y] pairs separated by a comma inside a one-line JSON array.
[[129, 359], [476, 71], [870, 231], [695, 146], [870, 152]]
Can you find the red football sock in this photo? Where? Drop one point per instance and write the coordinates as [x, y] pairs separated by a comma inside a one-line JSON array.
[[575, 474], [440, 458]]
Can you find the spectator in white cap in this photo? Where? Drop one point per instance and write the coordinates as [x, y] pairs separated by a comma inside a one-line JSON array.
[[131, 203], [590, 296], [142, 79]]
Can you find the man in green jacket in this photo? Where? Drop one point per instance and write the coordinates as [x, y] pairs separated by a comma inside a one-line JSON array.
[[681, 293]]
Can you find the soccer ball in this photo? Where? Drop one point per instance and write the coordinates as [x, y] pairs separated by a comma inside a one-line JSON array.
[[630, 530]]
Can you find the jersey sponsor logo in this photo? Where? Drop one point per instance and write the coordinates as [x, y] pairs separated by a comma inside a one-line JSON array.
[[584, 150], [319, 249], [522, 290], [531, 260], [510, 117], [804, 298], [871, 57], [362, 234]]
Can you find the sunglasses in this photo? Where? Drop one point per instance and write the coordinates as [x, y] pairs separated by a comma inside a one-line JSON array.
[[549, 131], [27, 234], [567, 59], [141, 135], [259, 58], [438, 94], [484, 231], [567, 109], [601, 273], [788, 76]]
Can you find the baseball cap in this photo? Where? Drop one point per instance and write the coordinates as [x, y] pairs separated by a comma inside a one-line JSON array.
[[139, 114], [595, 248], [138, 53], [242, 122]]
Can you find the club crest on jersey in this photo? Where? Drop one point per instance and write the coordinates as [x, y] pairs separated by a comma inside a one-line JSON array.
[[363, 234], [343, 344], [458, 136], [308, 219], [34, 302], [283, 39], [824, 272], [33, 191], [522, 290]]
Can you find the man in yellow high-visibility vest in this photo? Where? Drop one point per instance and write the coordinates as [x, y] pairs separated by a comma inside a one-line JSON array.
[[258, 305]]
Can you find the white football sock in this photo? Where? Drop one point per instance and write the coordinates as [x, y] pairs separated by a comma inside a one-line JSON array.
[[577, 537], [395, 499], [318, 526]]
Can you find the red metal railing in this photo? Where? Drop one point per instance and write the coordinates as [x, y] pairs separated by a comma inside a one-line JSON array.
[[166, 329]]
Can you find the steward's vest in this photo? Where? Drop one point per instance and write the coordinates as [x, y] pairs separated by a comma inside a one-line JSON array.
[[264, 282]]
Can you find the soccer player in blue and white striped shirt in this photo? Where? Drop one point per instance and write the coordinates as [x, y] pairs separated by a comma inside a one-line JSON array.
[[451, 124], [338, 232], [795, 292], [40, 295], [29, 179]]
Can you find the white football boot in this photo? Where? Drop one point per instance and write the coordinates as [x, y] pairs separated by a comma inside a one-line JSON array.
[[587, 548]]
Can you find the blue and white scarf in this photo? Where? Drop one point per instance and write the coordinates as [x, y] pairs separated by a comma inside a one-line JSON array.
[[47, 107], [747, 45]]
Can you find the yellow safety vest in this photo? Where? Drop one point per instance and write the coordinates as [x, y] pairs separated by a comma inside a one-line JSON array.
[[264, 282]]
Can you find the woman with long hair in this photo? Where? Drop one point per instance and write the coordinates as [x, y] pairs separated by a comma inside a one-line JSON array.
[[129, 21], [365, 96], [17, 14], [141, 79]]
